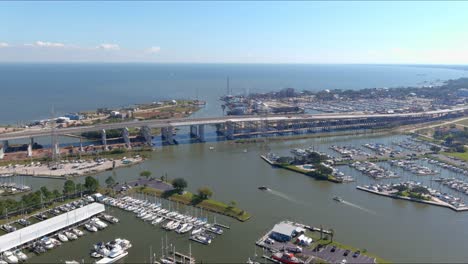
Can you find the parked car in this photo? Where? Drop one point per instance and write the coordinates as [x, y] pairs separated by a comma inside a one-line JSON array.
[[356, 254], [333, 249], [346, 253], [295, 249]]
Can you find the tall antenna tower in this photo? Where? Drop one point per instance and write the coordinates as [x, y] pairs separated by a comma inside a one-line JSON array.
[[227, 87]]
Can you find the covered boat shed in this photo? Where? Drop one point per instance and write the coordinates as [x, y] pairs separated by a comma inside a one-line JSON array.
[[51, 225]]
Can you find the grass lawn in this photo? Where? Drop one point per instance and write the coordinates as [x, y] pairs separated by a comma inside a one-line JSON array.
[[463, 122], [189, 198], [330, 178], [463, 156]]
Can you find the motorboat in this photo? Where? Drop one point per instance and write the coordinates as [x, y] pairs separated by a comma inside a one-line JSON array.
[[168, 224], [62, 237], [70, 235], [9, 257], [263, 188], [201, 239], [91, 228], [24, 222], [39, 249], [98, 223], [47, 243], [180, 228], [20, 255], [55, 242], [77, 232], [117, 257], [158, 220], [197, 231], [338, 199], [215, 230]]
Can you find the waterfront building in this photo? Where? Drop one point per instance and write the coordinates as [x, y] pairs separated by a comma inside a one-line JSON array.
[[283, 232]]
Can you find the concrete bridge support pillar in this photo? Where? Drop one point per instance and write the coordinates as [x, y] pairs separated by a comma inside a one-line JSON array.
[[163, 133], [5, 145], [81, 144], [146, 133], [56, 150], [3, 148], [126, 137], [104, 139], [201, 132], [229, 130], [193, 131], [219, 128], [30, 147], [169, 135]]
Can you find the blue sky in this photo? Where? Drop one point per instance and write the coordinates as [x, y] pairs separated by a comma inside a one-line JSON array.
[[239, 32]]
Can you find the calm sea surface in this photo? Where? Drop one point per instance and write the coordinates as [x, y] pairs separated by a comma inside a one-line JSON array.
[[396, 230], [30, 91]]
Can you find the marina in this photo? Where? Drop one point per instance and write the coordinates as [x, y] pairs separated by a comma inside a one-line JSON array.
[[198, 228], [48, 233], [428, 196], [373, 170]]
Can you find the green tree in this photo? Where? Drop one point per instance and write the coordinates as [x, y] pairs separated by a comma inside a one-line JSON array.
[[79, 188], [323, 169], [46, 193], [110, 182], [435, 149], [205, 193], [91, 184], [179, 184], [69, 187], [56, 194], [231, 205], [145, 173]]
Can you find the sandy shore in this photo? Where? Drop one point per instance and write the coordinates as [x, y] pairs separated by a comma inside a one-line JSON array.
[[71, 168]]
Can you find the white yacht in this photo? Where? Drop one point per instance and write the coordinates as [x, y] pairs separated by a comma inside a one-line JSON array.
[[20, 255], [91, 228], [77, 232], [70, 235], [62, 237], [9, 257]]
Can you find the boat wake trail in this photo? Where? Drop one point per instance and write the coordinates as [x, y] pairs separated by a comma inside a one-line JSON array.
[[285, 196], [359, 207]]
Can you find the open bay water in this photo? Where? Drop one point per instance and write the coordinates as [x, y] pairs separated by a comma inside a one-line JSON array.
[[399, 231], [396, 230], [30, 91]]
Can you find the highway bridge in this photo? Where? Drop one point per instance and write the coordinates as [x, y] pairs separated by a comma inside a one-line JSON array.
[[237, 126]]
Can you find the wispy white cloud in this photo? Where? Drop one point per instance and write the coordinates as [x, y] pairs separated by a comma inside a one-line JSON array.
[[4, 45], [108, 46], [153, 50], [47, 44]]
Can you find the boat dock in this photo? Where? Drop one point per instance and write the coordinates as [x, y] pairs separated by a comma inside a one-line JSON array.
[[270, 259], [221, 225], [181, 258], [441, 204], [267, 160]]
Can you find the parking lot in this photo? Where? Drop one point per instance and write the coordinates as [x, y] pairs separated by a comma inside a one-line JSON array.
[[324, 253], [338, 256]]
